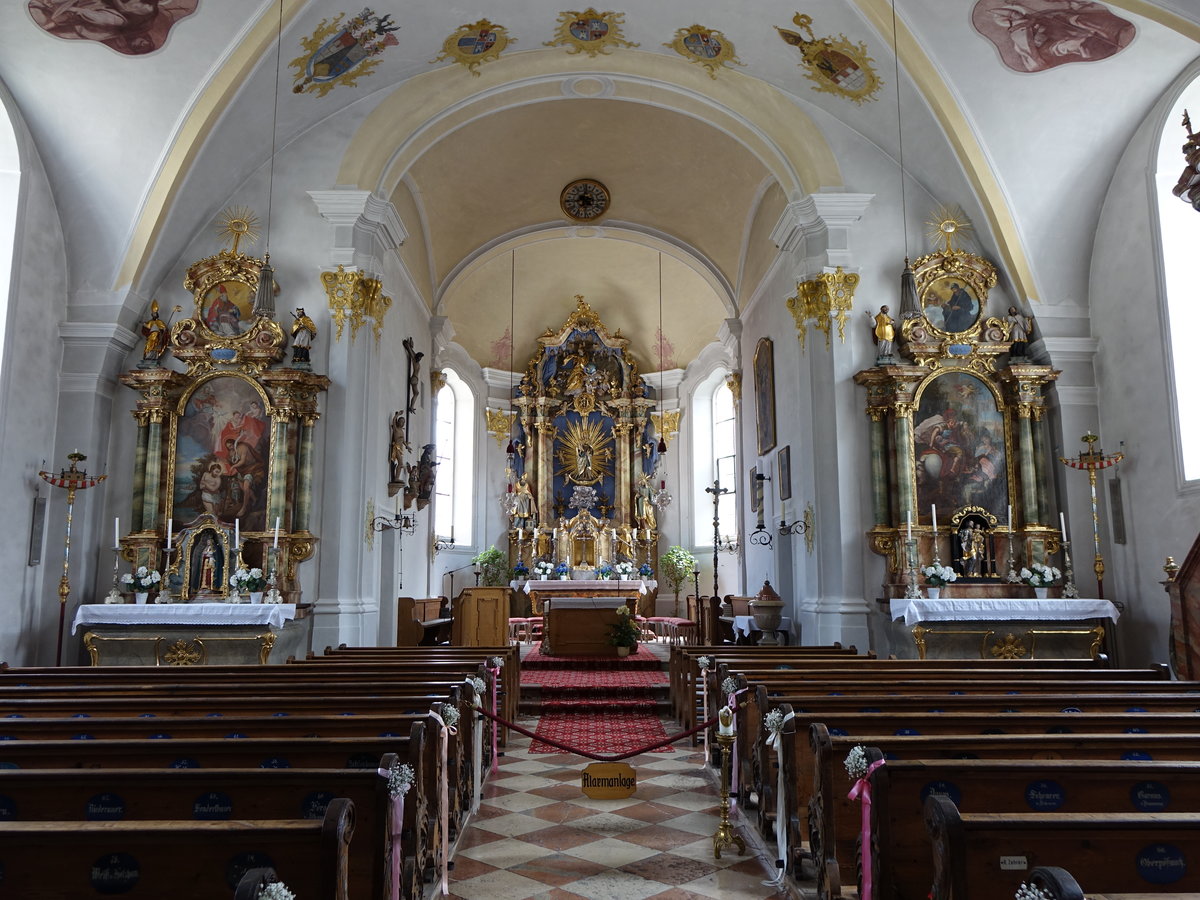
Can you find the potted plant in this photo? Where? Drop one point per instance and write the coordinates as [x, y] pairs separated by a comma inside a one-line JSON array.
[[676, 567], [520, 572], [141, 582], [625, 633], [252, 581], [492, 567], [604, 572], [938, 577], [1040, 576], [563, 571], [645, 570], [543, 569], [623, 570]]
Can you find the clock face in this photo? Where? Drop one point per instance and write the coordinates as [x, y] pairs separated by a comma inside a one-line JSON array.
[[584, 200]]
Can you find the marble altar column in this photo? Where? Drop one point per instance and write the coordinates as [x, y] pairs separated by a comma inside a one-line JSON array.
[[304, 467], [1029, 497], [1041, 460], [277, 503], [879, 477], [905, 488], [623, 464], [139, 473], [153, 473]]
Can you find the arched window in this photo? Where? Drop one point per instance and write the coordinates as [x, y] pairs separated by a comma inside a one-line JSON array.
[[1179, 226], [714, 423], [10, 187], [453, 487]]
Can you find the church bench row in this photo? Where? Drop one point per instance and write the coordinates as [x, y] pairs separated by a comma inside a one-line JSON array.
[[189, 860], [987, 856], [422, 622], [815, 780], [236, 794], [903, 853]]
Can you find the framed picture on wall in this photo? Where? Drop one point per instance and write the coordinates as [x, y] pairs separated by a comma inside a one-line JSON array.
[[754, 489], [764, 394], [785, 473]]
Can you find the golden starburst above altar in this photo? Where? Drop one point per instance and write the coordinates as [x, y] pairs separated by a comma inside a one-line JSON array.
[[237, 222], [948, 223], [585, 452]]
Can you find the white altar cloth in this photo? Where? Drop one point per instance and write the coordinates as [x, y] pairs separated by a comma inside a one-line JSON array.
[[557, 603], [579, 587], [950, 609], [184, 614]]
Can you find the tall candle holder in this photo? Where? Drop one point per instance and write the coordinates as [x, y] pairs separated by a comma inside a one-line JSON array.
[[911, 591], [1012, 577], [164, 592], [114, 595], [273, 595], [726, 836], [235, 595], [1070, 591]]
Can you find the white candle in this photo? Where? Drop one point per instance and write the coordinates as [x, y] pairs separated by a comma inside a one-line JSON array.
[[520, 535], [276, 544], [237, 533], [933, 513], [170, 531], [635, 534], [1062, 525], [117, 531], [1010, 515], [725, 722], [908, 516]]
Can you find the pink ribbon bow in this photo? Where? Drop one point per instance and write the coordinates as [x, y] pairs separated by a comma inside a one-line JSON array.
[[862, 788], [395, 827]]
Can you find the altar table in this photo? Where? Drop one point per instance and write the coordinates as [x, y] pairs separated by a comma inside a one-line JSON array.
[[630, 589], [1003, 628], [156, 634], [580, 626]]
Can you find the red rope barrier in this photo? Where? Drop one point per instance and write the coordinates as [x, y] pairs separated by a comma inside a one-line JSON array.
[[600, 757]]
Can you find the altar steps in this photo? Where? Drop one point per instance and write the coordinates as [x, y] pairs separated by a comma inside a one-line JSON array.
[[591, 684]]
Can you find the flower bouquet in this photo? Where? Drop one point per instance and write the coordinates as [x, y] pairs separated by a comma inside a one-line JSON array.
[[623, 570], [1040, 576], [563, 571], [252, 581], [604, 572], [625, 633], [141, 582], [520, 571], [645, 570], [543, 569], [939, 576]]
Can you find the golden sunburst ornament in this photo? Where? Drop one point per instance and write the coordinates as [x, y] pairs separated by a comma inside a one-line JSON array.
[[585, 452], [948, 224], [238, 222]]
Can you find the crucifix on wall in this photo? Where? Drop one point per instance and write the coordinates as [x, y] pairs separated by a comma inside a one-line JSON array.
[[414, 374]]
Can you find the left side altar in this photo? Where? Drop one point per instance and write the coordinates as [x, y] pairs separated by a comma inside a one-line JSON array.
[[222, 482]]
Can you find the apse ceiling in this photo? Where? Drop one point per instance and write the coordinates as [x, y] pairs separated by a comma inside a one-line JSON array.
[[700, 154]]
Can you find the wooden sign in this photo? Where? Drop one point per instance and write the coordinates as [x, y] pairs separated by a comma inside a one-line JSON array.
[[609, 781]]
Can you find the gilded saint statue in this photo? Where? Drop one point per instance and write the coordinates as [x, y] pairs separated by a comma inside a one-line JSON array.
[[524, 506], [304, 332], [154, 330], [643, 504]]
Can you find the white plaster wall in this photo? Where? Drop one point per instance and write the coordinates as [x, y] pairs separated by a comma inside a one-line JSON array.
[[1162, 518], [29, 381]]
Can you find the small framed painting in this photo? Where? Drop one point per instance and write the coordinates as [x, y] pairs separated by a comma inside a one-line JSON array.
[[785, 473], [764, 394]]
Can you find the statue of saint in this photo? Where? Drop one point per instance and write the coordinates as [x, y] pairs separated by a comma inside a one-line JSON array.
[[304, 332], [154, 330], [524, 506]]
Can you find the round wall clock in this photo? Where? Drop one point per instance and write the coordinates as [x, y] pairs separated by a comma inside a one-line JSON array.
[[584, 200]]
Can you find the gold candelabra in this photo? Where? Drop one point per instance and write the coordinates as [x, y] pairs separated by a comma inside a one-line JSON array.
[[726, 836], [1092, 460]]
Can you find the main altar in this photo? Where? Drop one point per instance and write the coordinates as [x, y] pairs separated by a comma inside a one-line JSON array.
[[585, 443]]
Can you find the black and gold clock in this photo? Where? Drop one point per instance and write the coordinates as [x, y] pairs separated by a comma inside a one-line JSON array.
[[584, 200]]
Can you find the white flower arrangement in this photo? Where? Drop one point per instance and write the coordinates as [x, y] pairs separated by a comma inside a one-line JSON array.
[[400, 779], [729, 685], [623, 569], [1040, 575], [856, 762], [142, 581], [496, 662], [1030, 892], [450, 716], [276, 891], [543, 568], [704, 662], [622, 610], [249, 580], [478, 685], [937, 576], [773, 721]]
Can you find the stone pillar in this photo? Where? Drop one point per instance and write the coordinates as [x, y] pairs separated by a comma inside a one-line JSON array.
[[905, 487], [139, 473], [277, 493], [879, 474], [623, 461], [1029, 494], [153, 474], [302, 509]]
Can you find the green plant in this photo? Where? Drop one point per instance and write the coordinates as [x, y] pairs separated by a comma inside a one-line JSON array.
[[625, 632], [675, 567], [493, 567]]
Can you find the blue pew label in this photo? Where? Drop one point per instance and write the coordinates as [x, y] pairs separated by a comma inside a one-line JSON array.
[[106, 807], [115, 873], [1045, 796], [314, 805], [275, 762], [1161, 864], [184, 762], [212, 805], [1150, 796], [946, 789]]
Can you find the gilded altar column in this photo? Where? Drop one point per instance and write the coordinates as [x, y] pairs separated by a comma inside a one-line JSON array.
[[153, 472], [304, 468], [545, 469], [905, 487], [879, 475], [279, 475], [624, 473], [139, 470], [1029, 492]]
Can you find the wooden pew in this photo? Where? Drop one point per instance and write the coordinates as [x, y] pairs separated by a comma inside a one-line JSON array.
[[986, 856], [902, 855], [238, 794], [190, 860], [422, 623]]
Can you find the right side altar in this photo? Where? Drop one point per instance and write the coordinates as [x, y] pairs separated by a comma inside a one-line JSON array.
[[960, 476]]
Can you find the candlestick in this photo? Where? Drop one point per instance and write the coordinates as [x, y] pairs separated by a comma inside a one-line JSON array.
[[520, 535], [635, 534], [933, 513], [908, 516], [1010, 515], [237, 532], [1062, 525], [275, 545], [170, 531]]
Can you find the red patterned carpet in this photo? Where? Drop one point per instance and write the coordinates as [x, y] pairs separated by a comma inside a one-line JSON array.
[[593, 678], [600, 733], [642, 659]]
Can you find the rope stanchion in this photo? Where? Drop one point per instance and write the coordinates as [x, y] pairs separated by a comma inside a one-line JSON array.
[[493, 668]]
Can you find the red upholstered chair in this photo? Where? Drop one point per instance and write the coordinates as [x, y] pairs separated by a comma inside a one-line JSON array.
[[681, 629], [517, 627], [533, 628]]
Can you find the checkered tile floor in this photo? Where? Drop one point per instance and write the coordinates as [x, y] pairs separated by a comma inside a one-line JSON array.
[[538, 837]]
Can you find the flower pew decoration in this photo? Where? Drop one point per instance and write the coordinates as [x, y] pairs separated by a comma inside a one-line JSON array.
[[1040, 575], [604, 572], [276, 890], [543, 568], [450, 715], [141, 581], [703, 662], [939, 576], [773, 721], [856, 762], [1030, 892], [400, 779], [249, 580], [645, 570], [623, 570], [729, 685]]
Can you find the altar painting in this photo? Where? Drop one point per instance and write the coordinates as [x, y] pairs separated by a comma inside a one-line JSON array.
[[227, 308], [222, 453], [959, 446]]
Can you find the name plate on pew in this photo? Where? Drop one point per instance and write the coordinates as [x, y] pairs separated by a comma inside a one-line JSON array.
[[609, 781]]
